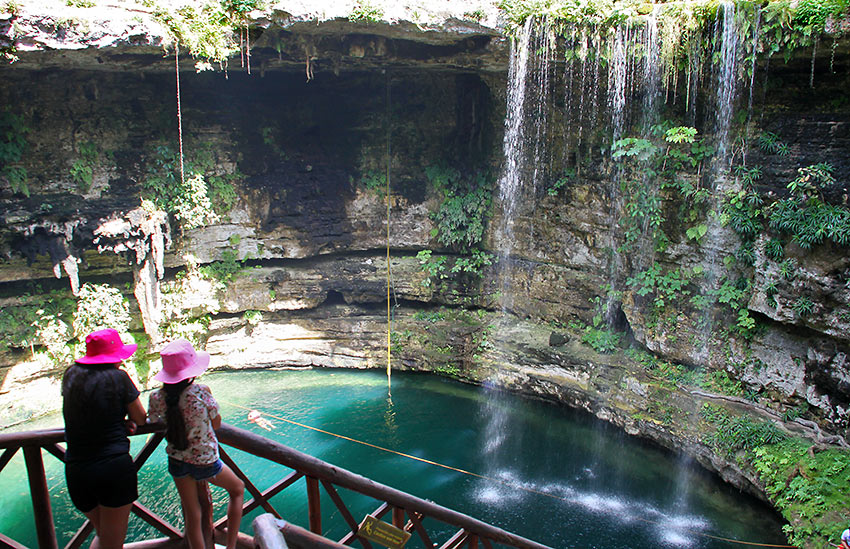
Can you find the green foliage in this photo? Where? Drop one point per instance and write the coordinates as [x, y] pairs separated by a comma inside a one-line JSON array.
[[374, 182], [641, 149], [600, 338], [25, 325], [814, 13], [475, 15], [597, 334], [13, 144], [225, 269], [808, 487], [803, 307], [253, 318], [774, 249], [365, 12], [197, 200], [463, 212], [806, 216], [770, 143], [739, 433], [207, 27], [80, 3], [10, 6], [438, 269], [561, 182], [667, 287], [100, 306], [82, 170]]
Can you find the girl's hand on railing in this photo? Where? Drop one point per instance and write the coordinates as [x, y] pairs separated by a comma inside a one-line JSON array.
[[131, 426]]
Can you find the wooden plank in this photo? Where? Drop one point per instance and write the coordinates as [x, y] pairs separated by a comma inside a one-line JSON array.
[[346, 514], [314, 505], [486, 543], [80, 536], [40, 496], [147, 450], [416, 519], [8, 543], [156, 521], [258, 495], [455, 541], [271, 492], [56, 451], [398, 517], [473, 541], [382, 510], [7, 456]]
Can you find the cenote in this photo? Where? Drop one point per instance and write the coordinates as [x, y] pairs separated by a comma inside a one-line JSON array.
[[548, 473]]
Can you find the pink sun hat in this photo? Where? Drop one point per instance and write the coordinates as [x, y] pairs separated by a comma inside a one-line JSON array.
[[180, 361], [106, 347]]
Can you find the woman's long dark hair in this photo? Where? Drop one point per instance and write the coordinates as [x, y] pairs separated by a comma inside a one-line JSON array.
[[175, 431]]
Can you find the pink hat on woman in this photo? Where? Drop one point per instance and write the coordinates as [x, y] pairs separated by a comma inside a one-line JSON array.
[[106, 347], [180, 361]]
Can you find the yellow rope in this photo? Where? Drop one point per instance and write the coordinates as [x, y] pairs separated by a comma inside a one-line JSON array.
[[389, 316], [484, 477]]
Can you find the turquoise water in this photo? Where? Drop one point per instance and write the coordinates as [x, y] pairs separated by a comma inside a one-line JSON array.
[[554, 475]]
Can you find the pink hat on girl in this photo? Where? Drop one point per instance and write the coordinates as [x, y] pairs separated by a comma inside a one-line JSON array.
[[106, 347], [180, 361]]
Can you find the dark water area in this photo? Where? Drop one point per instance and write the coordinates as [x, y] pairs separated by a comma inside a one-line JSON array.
[[554, 475]]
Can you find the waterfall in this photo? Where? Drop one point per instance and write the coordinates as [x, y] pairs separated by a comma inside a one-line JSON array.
[[525, 143], [510, 179], [727, 83], [727, 38]]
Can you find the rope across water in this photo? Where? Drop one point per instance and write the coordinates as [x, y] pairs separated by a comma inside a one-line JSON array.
[[484, 477]]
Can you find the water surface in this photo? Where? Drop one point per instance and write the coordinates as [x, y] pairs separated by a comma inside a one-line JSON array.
[[554, 475]]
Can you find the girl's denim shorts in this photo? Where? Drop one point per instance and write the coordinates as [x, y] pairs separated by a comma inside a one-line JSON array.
[[180, 469]]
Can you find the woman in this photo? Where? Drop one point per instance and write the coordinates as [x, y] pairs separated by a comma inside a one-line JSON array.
[[97, 399], [191, 416]]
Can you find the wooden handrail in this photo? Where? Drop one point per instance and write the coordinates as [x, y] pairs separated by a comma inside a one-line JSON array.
[[314, 467], [469, 531]]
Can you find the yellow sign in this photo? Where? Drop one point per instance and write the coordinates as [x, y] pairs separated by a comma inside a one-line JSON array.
[[382, 532]]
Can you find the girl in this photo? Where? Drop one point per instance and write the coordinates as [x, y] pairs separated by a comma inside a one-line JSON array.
[[191, 414], [97, 396]]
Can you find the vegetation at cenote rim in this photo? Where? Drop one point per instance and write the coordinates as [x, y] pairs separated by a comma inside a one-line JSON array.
[[201, 198], [13, 144], [685, 27], [206, 28], [808, 486], [366, 12]]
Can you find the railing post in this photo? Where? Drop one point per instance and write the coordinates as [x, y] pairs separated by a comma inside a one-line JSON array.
[[40, 498], [398, 517], [314, 508], [205, 500]]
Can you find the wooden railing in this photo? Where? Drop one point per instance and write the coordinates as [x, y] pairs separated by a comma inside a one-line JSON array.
[[406, 511]]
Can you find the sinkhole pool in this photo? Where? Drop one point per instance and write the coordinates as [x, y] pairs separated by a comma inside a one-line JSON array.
[[554, 475]]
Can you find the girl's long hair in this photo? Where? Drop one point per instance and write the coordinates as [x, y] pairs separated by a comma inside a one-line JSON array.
[[175, 425]]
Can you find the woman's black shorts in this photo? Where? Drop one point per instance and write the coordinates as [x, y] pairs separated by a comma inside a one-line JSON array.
[[109, 481]]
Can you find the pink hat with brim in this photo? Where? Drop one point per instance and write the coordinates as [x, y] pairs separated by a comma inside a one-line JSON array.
[[106, 347], [180, 361]]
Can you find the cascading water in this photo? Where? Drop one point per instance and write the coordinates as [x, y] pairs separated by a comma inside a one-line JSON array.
[[727, 37], [513, 158], [727, 83]]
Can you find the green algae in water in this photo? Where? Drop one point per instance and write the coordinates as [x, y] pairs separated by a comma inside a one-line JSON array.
[[559, 477]]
